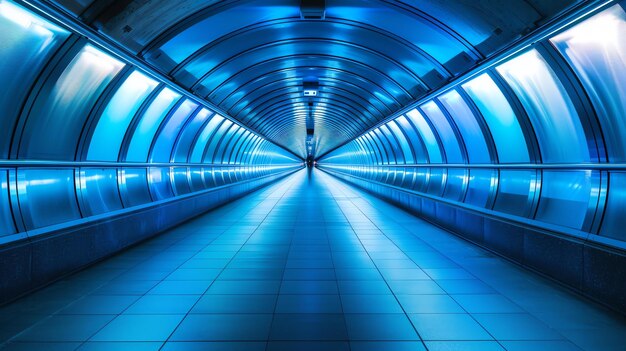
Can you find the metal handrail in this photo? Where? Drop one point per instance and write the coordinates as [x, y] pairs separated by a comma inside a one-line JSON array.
[[49, 164], [562, 166]]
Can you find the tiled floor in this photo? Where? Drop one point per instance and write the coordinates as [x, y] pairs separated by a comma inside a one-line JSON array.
[[307, 264]]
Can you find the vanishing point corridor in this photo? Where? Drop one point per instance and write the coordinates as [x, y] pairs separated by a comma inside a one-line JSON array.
[[308, 263]]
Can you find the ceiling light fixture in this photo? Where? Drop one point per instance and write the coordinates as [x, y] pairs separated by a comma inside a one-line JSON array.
[[310, 88]]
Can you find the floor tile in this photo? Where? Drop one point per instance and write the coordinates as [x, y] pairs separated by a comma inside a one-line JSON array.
[[308, 304], [543, 346], [310, 326], [235, 304], [309, 274], [100, 304], [181, 287], [308, 346], [41, 346], [464, 346], [120, 346], [163, 304], [429, 304], [139, 328], [214, 346], [65, 328], [245, 287], [465, 286], [380, 327], [387, 346], [370, 304], [326, 287], [516, 327], [415, 287], [487, 303], [448, 326], [223, 327], [194, 274]]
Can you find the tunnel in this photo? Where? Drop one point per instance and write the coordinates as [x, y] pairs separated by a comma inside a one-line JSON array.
[[313, 175]]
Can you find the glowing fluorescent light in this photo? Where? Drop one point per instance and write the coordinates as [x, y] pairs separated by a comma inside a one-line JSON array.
[[604, 29], [18, 15]]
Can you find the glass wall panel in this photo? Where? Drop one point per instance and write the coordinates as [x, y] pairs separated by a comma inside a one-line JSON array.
[[203, 139], [181, 180], [404, 144], [456, 182], [228, 149], [218, 176], [553, 116], [614, 220], [209, 178], [134, 187], [143, 135], [399, 176], [395, 145], [112, 125], [229, 175], [480, 183], [48, 136], [409, 178], [47, 196], [215, 140], [475, 143], [565, 197], [28, 42], [369, 150], [419, 150], [196, 179], [7, 225], [219, 151], [515, 191], [423, 128], [436, 181], [451, 144], [245, 148], [160, 183], [188, 135], [596, 50], [164, 144], [99, 191], [234, 156], [499, 116], [378, 148], [386, 144], [247, 156], [422, 177]]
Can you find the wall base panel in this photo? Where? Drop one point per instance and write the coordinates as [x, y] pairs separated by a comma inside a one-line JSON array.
[[31, 263]]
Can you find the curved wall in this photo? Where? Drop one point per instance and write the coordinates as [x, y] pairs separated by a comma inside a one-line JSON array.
[[535, 138], [88, 137]]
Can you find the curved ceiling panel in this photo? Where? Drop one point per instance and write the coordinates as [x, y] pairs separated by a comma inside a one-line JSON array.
[[366, 59]]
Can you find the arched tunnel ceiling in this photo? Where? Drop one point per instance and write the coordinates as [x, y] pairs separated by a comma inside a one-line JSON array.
[[370, 58]]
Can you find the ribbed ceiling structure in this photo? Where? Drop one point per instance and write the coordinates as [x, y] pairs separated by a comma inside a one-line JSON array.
[[367, 58]]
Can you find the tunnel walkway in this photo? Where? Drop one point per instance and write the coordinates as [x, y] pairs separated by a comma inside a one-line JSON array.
[[308, 263]]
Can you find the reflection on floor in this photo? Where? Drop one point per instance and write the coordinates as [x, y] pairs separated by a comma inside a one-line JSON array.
[[307, 264]]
